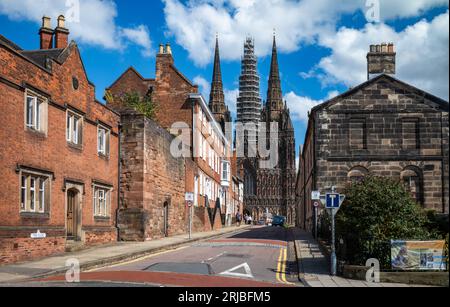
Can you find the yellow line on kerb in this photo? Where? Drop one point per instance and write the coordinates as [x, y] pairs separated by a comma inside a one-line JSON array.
[[281, 268], [280, 259]]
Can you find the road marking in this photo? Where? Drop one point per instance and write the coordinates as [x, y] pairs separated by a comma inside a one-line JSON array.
[[231, 272], [214, 258], [136, 260], [281, 267]]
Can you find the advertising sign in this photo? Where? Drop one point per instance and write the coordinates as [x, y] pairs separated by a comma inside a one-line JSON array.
[[418, 255]]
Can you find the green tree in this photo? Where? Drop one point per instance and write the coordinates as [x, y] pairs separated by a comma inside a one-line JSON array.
[[376, 211], [143, 105]]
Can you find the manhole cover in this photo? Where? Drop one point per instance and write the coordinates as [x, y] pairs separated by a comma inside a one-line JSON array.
[[186, 268]]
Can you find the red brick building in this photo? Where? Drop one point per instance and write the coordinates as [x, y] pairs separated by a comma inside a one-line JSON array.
[[207, 163], [59, 151]]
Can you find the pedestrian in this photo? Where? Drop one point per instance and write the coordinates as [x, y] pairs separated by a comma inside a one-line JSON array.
[[250, 220], [238, 219]]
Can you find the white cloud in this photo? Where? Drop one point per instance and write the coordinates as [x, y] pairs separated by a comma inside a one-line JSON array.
[[204, 86], [299, 106], [231, 100], [391, 9], [194, 23], [96, 25], [422, 54], [141, 37]]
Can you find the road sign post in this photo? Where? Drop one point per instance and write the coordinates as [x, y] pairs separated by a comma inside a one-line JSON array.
[[333, 202], [190, 201], [315, 197]]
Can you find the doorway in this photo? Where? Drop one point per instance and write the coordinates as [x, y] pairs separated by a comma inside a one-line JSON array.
[[72, 214]]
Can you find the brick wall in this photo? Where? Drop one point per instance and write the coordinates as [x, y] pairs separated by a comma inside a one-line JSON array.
[[50, 152], [150, 178]]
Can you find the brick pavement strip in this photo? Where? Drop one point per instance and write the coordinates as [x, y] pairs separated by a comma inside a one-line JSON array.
[[103, 256], [169, 279]]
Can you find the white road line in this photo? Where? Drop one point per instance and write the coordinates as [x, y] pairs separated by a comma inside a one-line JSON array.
[[231, 272]]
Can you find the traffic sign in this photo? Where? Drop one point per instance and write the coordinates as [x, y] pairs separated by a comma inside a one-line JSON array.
[[190, 197], [315, 195], [316, 204], [333, 201]]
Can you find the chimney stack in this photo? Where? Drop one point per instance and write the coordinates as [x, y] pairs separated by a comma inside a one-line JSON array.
[[381, 59], [46, 34], [61, 34]]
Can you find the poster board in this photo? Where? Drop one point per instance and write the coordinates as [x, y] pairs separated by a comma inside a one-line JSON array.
[[418, 255]]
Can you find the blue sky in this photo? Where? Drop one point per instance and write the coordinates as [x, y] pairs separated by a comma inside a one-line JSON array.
[[322, 43]]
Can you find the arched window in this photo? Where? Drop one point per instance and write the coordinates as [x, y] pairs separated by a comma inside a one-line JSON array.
[[357, 174], [413, 180]]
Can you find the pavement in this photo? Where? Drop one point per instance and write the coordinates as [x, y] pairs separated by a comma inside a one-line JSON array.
[[103, 255], [314, 266]]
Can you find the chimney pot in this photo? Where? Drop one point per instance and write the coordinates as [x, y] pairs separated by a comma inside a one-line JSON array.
[[46, 22], [391, 48], [61, 21], [161, 49], [168, 49]]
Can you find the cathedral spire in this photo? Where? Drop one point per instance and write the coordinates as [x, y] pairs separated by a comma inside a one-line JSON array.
[[217, 97], [274, 94]]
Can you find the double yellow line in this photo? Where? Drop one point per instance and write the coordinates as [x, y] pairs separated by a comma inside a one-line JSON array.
[[281, 268]]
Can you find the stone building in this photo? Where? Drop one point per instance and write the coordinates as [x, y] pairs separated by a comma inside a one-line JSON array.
[[206, 151], [268, 190], [383, 127], [59, 151]]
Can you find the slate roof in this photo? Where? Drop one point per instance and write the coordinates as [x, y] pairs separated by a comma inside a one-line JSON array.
[[41, 57]]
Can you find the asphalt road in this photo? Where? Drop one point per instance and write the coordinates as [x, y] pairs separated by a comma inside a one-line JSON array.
[[259, 257]]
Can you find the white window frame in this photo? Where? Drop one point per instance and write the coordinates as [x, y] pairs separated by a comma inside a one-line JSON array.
[[225, 176], [35, 188], [101, 202], [73, 131], [35, 112], [102, 146]]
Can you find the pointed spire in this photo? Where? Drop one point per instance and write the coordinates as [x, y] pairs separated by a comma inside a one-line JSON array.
[[274, 94], [217, 97]]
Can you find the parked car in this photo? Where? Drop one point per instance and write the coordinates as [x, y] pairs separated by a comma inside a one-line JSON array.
[[278, 221]]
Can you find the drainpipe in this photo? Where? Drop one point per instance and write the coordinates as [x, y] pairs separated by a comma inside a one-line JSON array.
[[119, 178]]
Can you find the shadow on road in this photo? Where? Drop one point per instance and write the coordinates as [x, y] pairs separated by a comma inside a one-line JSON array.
[[263, 233]]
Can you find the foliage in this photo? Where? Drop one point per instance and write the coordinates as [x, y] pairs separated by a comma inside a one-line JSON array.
[[143, 105], [376, 211]]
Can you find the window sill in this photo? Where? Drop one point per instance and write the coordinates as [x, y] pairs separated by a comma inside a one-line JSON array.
[[36, 133], [104, 157], [35, 215], [75, 146], [102, 218]]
